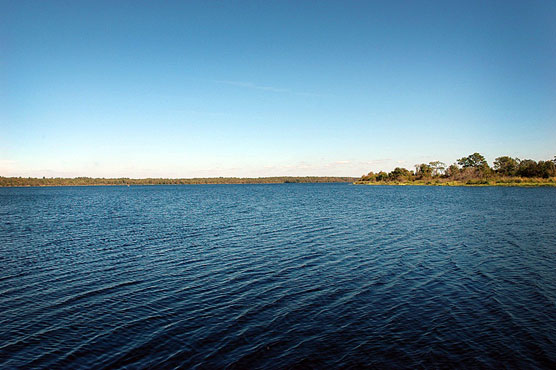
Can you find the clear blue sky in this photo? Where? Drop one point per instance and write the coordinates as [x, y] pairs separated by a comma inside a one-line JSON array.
[[260, 88]]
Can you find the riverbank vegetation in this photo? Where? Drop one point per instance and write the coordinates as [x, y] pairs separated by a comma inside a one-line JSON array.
[[89, 181], [472, 170]]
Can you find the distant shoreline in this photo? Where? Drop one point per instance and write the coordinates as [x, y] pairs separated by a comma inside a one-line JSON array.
[[21, 182], [89, 181]]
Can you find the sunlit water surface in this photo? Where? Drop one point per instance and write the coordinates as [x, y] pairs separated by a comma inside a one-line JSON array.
[[277, 276]]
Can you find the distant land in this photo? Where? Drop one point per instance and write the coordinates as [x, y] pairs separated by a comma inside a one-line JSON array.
[[472, 170], [89, 181]]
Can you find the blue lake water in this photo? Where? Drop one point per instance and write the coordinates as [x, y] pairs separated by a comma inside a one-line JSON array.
[[277, 276]]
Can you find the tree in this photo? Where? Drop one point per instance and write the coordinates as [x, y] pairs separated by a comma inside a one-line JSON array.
[[369, 177], [381, 176], [477, 163], [546, 169], [452, 171], [528, 168], [423, 171], [506, 165], [437, 167], [400, 174], [475, 160]]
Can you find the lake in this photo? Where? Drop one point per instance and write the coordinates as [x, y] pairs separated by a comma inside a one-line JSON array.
[[277, 276]]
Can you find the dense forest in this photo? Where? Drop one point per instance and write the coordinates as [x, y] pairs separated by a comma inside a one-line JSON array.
[[471, 170], [84, 181]]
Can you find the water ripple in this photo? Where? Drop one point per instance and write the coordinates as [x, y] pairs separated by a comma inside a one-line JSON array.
[[277, 276]]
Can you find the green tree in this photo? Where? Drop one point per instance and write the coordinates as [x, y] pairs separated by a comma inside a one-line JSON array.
[[400, 174], [381, 176], [546, 169], [506, 165], [423, 171], [452, 171], [475, 160], [528, 168], [437, 167], [369, 177]]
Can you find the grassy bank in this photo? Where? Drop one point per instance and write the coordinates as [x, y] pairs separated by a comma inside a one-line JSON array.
[[521, 182]]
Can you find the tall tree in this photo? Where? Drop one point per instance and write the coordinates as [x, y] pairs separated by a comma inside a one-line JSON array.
[[452, 171], [506, 165], [437, 167], [528, 168], [423, 171], [400, 174], [381, 176], [546, 169], [475, 160]]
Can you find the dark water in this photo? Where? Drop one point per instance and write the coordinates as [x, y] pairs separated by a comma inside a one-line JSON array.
[[277, 276]]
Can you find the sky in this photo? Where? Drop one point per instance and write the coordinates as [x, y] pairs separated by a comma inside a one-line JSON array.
[[271, 88]]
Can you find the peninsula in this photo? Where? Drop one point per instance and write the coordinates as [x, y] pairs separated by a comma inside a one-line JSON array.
[[472, 170]]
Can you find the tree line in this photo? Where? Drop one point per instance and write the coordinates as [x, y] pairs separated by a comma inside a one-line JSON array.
[[90, 181], [473, 168]]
